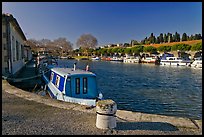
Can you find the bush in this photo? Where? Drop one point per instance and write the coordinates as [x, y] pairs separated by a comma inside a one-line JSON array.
[[196, 47], [150, 49]]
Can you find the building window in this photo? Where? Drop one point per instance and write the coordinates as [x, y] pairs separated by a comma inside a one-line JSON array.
[[5, 58], [57, 81], [6, 70], [5, 47], [17, 50], [77, 86], [85, 85], [22, 51], [4, 35], [14, 48]]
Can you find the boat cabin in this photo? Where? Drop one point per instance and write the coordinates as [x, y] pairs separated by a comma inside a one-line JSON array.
[[73, 83]]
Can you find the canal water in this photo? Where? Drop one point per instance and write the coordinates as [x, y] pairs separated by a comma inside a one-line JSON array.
[[148, 88]]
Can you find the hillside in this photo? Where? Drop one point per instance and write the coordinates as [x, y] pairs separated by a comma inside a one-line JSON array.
[[173, 43]]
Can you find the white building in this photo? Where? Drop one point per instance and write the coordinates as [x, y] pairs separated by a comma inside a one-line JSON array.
[[12, 45]]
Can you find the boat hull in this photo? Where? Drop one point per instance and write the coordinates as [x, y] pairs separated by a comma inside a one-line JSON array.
[[55, 94]]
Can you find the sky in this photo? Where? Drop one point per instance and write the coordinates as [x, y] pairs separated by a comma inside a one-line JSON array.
[[109, 22]]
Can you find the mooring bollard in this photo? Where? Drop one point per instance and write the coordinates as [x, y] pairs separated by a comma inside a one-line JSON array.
[[105, 110]]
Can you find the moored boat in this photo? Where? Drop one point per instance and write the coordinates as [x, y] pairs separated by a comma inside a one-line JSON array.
[[175, 61], [150, 59], [72, 85], [197, 63], [131, 59], [95, 58]]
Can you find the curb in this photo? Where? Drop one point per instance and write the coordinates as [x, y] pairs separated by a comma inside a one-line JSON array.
[[121, 114]]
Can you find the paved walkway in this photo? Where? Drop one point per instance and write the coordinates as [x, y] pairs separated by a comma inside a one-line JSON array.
[[27, 113]]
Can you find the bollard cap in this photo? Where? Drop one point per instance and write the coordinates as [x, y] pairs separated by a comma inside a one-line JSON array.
[[106, 106]]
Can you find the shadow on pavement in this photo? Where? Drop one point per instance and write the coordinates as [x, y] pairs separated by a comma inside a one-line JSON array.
[[146, 126]]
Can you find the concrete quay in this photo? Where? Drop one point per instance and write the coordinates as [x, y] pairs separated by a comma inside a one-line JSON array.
[[28, 113]]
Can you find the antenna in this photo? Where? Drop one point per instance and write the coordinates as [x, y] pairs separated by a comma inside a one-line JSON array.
[[74, 66]]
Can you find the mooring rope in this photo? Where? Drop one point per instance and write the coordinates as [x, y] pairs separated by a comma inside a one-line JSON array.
[[23, 79]]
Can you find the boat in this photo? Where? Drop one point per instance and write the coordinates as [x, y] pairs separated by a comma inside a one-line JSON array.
[[120, 59], [175, 61], [43, 64], [150, 59], [131, 59], [95, 58], [197, 63], [72, 85]]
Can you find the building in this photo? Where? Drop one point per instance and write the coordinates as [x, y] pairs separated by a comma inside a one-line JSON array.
[[27, 53], [13, 40]]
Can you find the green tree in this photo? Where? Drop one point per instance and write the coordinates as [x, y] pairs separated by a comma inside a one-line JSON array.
[[170, 38], [114, 50], [127, 51], [150, 49], [165, 38], [174, 47], [161, 38], [137, 49], [196, 47], [184, 37], [121, 51]]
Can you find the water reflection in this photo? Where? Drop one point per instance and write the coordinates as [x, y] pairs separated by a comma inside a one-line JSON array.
[[148, 88]]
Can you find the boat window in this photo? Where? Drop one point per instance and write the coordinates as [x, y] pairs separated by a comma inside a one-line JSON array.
[[51, 76], [57, 81], [85, 84], [77, 86]]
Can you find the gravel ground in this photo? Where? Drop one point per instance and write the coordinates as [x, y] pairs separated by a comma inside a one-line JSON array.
[[24, 117]]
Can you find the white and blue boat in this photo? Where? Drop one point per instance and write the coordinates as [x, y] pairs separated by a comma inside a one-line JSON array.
[[72, 85]]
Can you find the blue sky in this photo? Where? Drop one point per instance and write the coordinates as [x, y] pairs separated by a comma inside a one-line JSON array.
[[109, 22]]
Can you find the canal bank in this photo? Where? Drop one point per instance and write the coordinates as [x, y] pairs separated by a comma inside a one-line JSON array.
[[20, 108]]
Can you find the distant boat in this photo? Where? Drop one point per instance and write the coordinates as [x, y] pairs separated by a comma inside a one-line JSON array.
[[72, 85], [175, 61], [150, 59], [116, 59], [95, 58], [131, 59], [197, 63]]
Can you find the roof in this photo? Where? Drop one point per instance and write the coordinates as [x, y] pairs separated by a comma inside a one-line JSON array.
[[10, 18], [70, 71]]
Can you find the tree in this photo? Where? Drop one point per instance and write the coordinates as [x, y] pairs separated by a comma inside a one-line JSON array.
[[87, 41], [150, 49], [170, 38], [137, 49], [62, 45], [161, 38], [158, 40], [184, 37], [196, 47], [128, 50], [165, 38], [126, 45]]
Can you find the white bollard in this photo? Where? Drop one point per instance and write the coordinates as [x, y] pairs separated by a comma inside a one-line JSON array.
[[106, 110]]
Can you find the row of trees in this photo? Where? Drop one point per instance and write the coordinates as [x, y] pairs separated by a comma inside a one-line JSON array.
[[56, 47], [136, 50], [87, 44], [61, 46], [164, 38]]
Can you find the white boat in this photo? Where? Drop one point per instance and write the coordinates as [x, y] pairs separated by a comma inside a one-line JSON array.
[[175, 61], [95, 58], [116, 59], [197, 63], [151, 59], [131, 59], [72, 85]]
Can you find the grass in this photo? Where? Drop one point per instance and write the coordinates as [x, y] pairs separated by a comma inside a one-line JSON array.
[[192, 42]]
